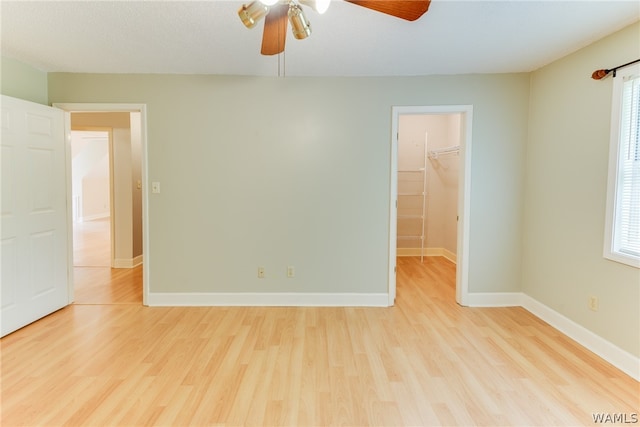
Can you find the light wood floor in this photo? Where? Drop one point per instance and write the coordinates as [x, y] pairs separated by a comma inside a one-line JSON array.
[[426, 361], [92, 243], [95, 282]]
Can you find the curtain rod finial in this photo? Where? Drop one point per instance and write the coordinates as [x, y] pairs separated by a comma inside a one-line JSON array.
[[599, 74]]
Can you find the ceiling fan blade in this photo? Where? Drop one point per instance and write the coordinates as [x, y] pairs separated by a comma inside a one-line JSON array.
[[275, 29], [405, 9]]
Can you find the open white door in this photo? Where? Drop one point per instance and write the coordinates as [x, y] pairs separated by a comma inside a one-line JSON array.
[[35, 230]]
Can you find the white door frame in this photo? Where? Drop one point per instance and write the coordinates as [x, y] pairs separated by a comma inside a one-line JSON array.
[[464, 194], [111, 108]]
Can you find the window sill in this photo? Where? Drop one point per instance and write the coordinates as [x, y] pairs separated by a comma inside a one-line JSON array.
[[623, 259]]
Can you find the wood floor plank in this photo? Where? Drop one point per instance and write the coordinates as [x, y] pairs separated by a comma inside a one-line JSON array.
[[426, 361], [95, 282], [92, 243]]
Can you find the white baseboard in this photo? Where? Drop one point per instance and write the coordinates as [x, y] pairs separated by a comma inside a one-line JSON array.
[[450, 255], [411, 252], [494, 299], [276, 299], [621, 359], [427, 252], [128, 263]]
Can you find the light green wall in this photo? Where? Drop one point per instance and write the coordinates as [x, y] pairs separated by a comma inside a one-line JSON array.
[[295, 171], [22, 81], [565, 194]]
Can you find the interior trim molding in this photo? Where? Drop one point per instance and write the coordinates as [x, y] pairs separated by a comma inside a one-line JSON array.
[[274, 299], [128, 263], [621, 359], [451, 256], [494, 299]]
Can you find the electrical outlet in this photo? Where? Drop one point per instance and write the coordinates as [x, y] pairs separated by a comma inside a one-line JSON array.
[[593, 303], [291, 272], [260, 272]]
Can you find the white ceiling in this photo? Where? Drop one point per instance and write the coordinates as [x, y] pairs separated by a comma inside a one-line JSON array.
[[207, 37]]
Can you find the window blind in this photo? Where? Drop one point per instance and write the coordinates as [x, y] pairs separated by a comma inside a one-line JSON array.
[[627, 218]]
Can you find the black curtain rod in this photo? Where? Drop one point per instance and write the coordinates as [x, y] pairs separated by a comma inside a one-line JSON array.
[[600, 74]]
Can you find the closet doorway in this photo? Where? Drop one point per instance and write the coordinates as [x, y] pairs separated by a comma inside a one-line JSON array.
[[430, 191], [428, 161]]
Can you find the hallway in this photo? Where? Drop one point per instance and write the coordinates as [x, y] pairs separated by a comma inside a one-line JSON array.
[[94, 280]]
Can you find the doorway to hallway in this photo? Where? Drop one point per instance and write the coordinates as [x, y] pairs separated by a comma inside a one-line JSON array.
[[127, 123], [91, 190]]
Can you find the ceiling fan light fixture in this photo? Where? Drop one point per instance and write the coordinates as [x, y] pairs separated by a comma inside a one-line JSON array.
[[252, 13], [319, 6], [300, 26]]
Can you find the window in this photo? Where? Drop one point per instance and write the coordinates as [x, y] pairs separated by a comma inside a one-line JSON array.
[[622, 231]]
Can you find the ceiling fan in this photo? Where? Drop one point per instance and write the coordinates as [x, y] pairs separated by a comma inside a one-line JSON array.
[[278, 13]]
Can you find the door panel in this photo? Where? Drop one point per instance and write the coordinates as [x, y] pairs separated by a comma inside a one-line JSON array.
[[35, 238]]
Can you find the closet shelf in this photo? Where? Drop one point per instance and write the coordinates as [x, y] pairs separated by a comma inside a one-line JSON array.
[[413, 180], [434, 154]]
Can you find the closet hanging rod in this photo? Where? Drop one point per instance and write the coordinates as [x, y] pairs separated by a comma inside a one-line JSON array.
[[434, 154]]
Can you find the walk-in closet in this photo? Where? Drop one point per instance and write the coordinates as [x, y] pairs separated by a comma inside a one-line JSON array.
[[428, 166]]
